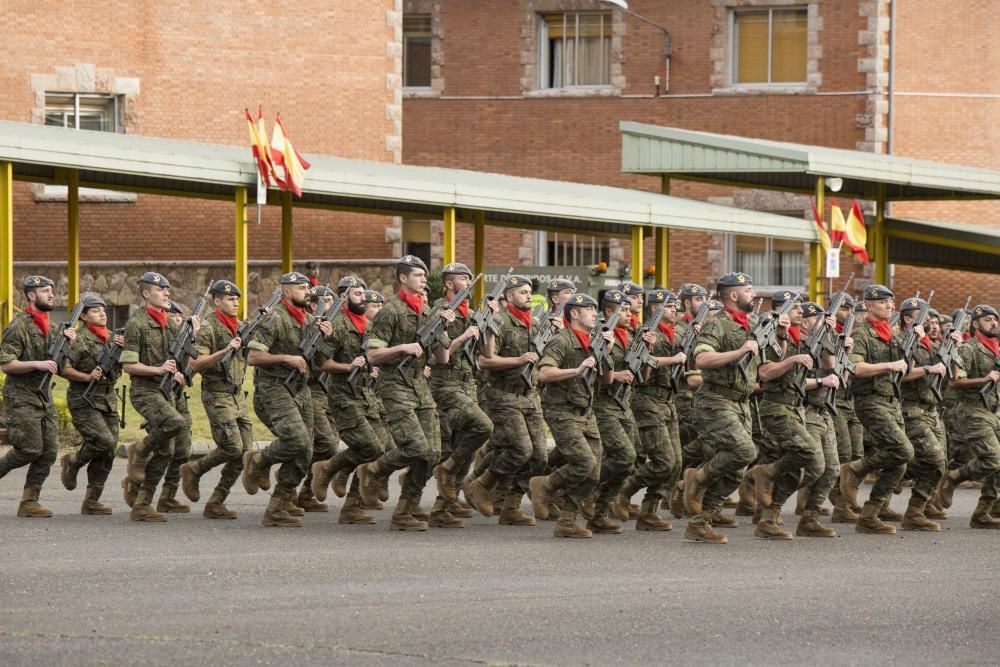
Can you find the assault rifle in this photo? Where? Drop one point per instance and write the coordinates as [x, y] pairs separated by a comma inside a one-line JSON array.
[[540, 340], [352, 377], [688, 341], [482, 318], [182, 351], [58, 351], [910, 341], [947, 351], [843, 367], [599, 349], [432, 329], [107, 361], [310, 344], [246, 330], [816, 340], [765, 334], [638, 356]]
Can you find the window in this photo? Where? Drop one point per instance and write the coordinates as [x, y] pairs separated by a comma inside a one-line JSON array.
[[417, 51], [575, 50], [417, 239], [573, 250], [769, 46], [82, 111], [768, 261]]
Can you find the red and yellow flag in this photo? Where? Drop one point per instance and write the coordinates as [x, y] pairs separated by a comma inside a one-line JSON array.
[[838, 228], [258, 145], [293, 166], [824, 237], [855, 234]]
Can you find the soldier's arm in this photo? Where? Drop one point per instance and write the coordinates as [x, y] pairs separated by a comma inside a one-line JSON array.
[[490, 361], [10, 353], [549, 368], [771, 369], [379, 351], [70, 373], [130, 356], [206, 358], [962, 379], [707, 352], [864, 369]]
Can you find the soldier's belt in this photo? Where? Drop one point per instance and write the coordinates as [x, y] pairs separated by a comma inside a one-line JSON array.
[[566, 408], [654, 391], [220, 387], [725, 392], [445, 373], [784, 399], [516, 388], [886, 399]]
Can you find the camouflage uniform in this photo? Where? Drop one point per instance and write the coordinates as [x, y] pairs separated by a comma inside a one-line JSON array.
[[325, 436], [182, 452], [980, 424], [850, 432], [687, 420], [924, 428], [616, 426]]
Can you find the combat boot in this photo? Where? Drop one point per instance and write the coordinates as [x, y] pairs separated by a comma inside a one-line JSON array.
[[382, 487], [168, 503], [190, 476], [946, 487], [994, 511], [648, 518], [916, 517], [566, 526], [541, 487], [256, 474], [886, 513], [92, 502], [747, 503], [851, 475], [403, 520], [141, 510], [600, 523], [70, 467], [767, 528], [554, 511], [477, 492], [870, 524], [511, 514], [378, 506], [369, 475], [620, 505], [729, 502], [587, 508], [136, 467], [215, 509], [695, 484], [699, 529], [934, 511], [720, 520], [809, 525], [981, 518], [418, 512], [764, 477], [129, 491], [353, 513], [276, 516], [676, 502], [446, 483], [308, 502], [758, 511], [498, 495], [293, 510], [440, 517], [322, 475], [842, 513], [29, 507], [461, 509]]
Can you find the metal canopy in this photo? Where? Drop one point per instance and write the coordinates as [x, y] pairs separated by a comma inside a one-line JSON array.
[[760, 163], [943, 245]]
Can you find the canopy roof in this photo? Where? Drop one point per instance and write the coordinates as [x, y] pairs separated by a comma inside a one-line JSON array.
[[945, 245]]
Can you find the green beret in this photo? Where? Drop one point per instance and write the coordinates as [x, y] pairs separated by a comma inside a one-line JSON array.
[[318, 291], [31, 282], [613, 296], [810, 309], [735, 279], [412, 261], [517, 281], [225, 288], [848, 299], [457, 269], [878, 292], [347, 282], [559, 284], [631, 289], [715, 305], [172, 307], [91, 300], [689, 290], [913, 303], [860, 307], [658, 295], [295, 278], [581, 300], [933, 314], [779, 298], [371, 296], [154, 278], [982, 310]]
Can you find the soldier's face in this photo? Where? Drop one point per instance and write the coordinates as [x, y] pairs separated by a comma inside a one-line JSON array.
[[520, 297], [694, 304], [670, 312], [843, 312], [371, 310], [807, 323], [157, 297], [227, 305], [414, 282], [795, 316], [586, 318], [177, 318], [562, 296], [744, 298], [989, 325], [44, 298], [456, 283], [623, 311], [96, 316], [635, 306], [934, 328], [881, 309], [297, 294]]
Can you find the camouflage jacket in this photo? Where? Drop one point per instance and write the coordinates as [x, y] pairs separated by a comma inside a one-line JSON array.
[[279, 333], [212, 337], [513, 340], [397, 324], [23, 341], [565, 351], [977, 361], [83, 356], [870, 349], [146, 343], [343, 345], [722, 334]]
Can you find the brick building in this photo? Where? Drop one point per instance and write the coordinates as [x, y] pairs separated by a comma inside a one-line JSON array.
[[538, 87]]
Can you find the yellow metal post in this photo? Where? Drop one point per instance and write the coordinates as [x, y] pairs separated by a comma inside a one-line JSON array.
[[6, 243], [479, 254], [816, 261], [449, 235], [662, 242], [637, 267], [881, 242], [242, 255], [286, 232], [73, 238]]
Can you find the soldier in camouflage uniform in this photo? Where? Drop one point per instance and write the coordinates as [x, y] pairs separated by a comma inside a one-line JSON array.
[[656, 419], [96, 420], [876, 355], [286, 411], [850, 432], [224, 401], [145, 357], [31, 418], [723, 408], [411, 411], [979, 415], [167, 502], [956, 450], [568, 404], [518, 442]]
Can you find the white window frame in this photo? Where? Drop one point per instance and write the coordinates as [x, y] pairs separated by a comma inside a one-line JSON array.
[[116, 113], [734, 46], [762, 283], [544, 76]]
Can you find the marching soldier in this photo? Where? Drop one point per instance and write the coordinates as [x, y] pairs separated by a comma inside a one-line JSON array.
[[557, 291], [568, 404], [167, 502], [145, 358], [635, 296], [692, 296], [224, 400], [31, 417], [850, 432], [95, 419], [723, 408]]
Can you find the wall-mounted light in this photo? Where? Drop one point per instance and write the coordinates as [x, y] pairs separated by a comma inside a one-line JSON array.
[[667, 45]]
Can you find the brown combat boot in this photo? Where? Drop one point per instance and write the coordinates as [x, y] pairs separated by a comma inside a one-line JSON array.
[[168, 503], [369, 478], [308, 502], [142, 511], [699, 529], [648, 518], [981, 517], [540, 487], [322, 474], [730, 502], [886, 513], [353, 513], [256, 475], [946, 487], [215, 509], [29, 507], [994, 511], [600, 523], [92, 502], [276, 515], [767, 528], [440, 517], [382, 488], [377, 506], [293, 510], [190, 476], [851, 475], [720, 520], [402, 519], [764, 477], [676, 502], [916, 518], [446, 482], [554, 511], [137, 453], [620, 506], [129, 491], [339, 485], [566, 526], [809, 525], [478, 490], [511, 514], [747, 503], [870, 524], [418, 512], [695, 484], [934, 511], [70, 467], [461, 509]]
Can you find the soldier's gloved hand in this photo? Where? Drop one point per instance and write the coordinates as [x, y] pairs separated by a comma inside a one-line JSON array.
[[358, 362], [803, 360], [326, 327], [180, 379], [235, 344], [412, 349], [297, 362], [47, 366], [625, 377], [936, 369], [558, 323], [751, 347], [169, 366], [448, 315], [70, 334], [528, 358], [609, 337], [830, 381], [589, 362], [120, 341], [96, 374], [649, 338]]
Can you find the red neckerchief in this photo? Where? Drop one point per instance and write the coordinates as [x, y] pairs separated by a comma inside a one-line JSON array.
[[688, 317], [966, 336], [840, 327], [360, 322], [991, 344], [633, 323], [463, 309], [99, 331], [41, 319], [229, 321], [795, 333], [522, 316], [882, 329], [313, 281], [740, 318], [414, 301], [298, 314], [582, 336], [667, 330], [159, 316], [926, 342], [621, 333]]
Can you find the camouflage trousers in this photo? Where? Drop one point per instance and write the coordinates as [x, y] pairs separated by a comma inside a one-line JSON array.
[[724, 429], [981, 447], [799, 459], [578, 444], [232, 432], [99, 431], [659, 441], [850, 432], [953, 414], [33, 432], [290, 418], [887, 449], [925, 430], [182, 446], [363, 431], [821, 427], [617, 429], [687, 428], [325, 436], [464, 426], [417, 435], [517, 446], [163, 424]]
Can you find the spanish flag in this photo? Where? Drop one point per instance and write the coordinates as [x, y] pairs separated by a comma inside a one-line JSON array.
[[258, 145], [824, 237], [855, 234], [838, 228], [285, 156]]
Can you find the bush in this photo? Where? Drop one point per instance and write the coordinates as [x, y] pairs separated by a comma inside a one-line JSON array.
[[435, 286]]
